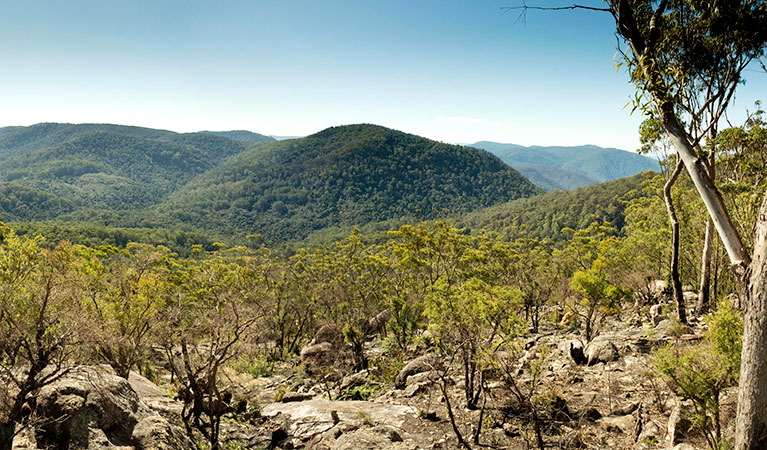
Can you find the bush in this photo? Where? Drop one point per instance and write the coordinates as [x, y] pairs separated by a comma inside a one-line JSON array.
[[700, 372]]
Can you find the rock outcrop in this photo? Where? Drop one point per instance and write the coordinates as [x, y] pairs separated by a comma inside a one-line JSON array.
[[91, 408]]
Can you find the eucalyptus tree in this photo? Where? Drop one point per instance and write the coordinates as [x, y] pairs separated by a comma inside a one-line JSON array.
[[686, 58], [123, 295], [690, 55], [214, 304], [38, 322]]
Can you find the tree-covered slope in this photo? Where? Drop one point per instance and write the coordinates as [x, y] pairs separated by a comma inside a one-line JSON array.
[[344, 175], [591, 162], [21, 140], [545, 215], [243, 136], [107, 166]]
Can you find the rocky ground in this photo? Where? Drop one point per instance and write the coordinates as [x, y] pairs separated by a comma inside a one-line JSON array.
[[609, 399]]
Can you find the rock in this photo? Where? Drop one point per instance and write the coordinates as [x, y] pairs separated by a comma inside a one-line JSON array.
[[619, 424], [414, 389], [628, 409], [601, 351], [143, 387], [351, 381], [668, 327], [330, 334], [87, 406], [423, 378], [278, 434], [367, 439], [590, 414], [156, 433], [154, 396], [421, 364], [684, 446], [656, 287], [305, 420], [389, 431], [576, 352], [650, 433], [559, 409], [319, 354]]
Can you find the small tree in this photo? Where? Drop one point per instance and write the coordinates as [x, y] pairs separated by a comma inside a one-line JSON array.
[[38, 298], [214, 303], [700, 372], [470, 319], [598, 299], [123, 295]]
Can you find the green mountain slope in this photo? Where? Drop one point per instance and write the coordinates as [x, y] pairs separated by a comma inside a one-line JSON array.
[[343, 176], [243, 136], [104, 166], [545, 215], [578, 164]]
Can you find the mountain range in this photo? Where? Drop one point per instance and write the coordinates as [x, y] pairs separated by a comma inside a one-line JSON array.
[[235, 183], [565, 168]]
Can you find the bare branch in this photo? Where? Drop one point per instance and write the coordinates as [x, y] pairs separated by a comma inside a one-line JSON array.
[[556, 8]]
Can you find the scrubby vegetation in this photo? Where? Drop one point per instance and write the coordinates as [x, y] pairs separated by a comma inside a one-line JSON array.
[[474, 298]]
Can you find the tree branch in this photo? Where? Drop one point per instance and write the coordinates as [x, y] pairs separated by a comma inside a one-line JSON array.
[[556, 8]]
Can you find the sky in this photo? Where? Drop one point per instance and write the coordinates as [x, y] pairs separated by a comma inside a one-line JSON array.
[[456, 71]]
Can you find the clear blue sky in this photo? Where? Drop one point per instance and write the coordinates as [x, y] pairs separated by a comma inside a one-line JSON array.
[[455, 71]]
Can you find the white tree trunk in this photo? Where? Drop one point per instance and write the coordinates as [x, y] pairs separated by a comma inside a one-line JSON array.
[[751, 424], [708, 193]]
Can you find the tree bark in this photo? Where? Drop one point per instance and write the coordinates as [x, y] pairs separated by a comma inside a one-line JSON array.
[[751, 424], [675, 280], [704, 293]]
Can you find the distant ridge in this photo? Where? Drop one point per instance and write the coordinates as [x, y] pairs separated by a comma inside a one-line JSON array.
[[243, 136], [565, 168]]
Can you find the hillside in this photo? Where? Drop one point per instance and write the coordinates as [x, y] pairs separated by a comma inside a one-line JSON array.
[[243, 136], [544, 215], [347, 175], [577, 166], [104, 166]]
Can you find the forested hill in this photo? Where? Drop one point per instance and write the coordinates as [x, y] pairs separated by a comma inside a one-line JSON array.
[[243, 136], [573, 166], [344, 175], [545, 215], [103, 166]]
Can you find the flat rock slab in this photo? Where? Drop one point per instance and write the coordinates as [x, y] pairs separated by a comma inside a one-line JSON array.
[[316, 416]]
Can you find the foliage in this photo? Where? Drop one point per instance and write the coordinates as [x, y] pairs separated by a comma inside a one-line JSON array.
[[589, 257], [700, 372], [38, 321], [546, 215], [123, 293]]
